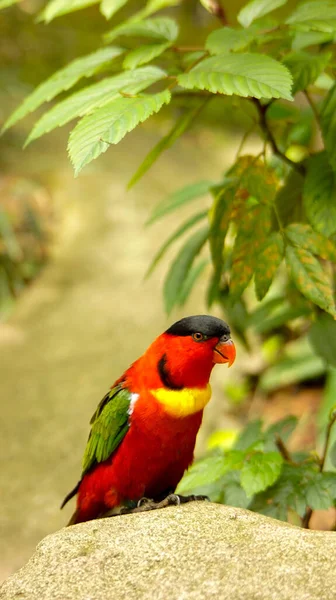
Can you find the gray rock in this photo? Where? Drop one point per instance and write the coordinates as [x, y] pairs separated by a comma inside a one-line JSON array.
[[195, 552]]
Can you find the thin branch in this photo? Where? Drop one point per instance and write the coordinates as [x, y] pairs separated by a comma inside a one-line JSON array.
[[313, 107], [267, 131], [280, 444], [307, 516]]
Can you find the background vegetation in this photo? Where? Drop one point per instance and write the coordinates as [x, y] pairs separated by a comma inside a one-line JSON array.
[[264, 246]]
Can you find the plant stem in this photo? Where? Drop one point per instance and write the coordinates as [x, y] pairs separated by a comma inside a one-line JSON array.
[[280, 444], [307, 516], [267, 131], [313, 107]]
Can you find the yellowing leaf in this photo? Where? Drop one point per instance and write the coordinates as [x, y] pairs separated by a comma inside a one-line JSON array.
[[269, 259], [303, 236], [310, 278]]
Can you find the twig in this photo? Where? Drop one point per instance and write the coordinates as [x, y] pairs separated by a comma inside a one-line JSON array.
[[280, 444], [264, 126], [313, 107], [307, 516]]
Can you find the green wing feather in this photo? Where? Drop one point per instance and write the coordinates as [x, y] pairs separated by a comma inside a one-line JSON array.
[[110, 424]]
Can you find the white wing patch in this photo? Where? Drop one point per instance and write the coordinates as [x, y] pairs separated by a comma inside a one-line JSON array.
[[134, 398]]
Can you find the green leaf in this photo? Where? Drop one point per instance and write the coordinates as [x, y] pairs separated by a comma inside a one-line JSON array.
[[7, 3], [56, 8], [249, 436], [253, 231], [109, 124], [310, 278], [309, 16], [181, 125], [63, 80], [319, 194], [194, 273], [8, 239], [159, 28], [95, 96], [328, 125], [269, 259], [305, 68], [260, 471], [318, 493], [256, 9], [322, 336], [202, 473], [282, 429], [153, 6], [109, 7], [288, 200], [245, 74], [144, 54], [172, 238], [290, 371], [180, 267], [233, 493], [304, 39], [304, 236], [227, 39], [220, 221], [180, 198]]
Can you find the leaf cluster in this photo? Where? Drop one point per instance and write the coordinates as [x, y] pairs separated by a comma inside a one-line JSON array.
[[270, 218], [260, 474]]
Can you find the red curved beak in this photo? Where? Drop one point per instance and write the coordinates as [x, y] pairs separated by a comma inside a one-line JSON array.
[[224, 352]]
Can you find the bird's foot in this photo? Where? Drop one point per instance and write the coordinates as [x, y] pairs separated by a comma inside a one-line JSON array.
[[145, 504]]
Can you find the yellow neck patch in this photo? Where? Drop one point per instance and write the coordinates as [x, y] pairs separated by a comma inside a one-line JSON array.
[[181, 403]]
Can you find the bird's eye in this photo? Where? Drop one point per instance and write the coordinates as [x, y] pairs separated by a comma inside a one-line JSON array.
[[198, 337]]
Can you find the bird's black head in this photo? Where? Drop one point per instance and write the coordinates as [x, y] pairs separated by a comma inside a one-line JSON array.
[[206, 325]]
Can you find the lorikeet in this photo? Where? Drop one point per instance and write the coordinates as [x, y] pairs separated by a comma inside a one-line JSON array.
[[144, 430]]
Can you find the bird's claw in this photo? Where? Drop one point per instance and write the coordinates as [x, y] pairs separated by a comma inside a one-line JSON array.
[[145, 504]]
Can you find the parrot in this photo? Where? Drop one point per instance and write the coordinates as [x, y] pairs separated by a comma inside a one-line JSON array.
[[144, 430]]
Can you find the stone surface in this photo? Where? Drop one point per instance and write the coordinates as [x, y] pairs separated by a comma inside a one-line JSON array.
[[198, 551]]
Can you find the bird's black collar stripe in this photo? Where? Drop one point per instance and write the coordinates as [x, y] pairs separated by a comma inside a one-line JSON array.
[[165, 376]]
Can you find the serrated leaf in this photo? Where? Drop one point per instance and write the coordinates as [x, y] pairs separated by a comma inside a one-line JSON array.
[[228, 39], [63, 80], [109, 124], [95, 96], [208, 470], [288, 200], [162, 29], [194, 273], [172, 238], [143, 55], [256, 9], [109, 7], [305, 68], [318, 494], [309, 16], [269, 259], [328, 125], [310, 278], [180, 267], [303, 236], [245, 75], [322, 336], [181, 125], [260, 471], [56, 8], [319, 194], [180, 198], [252, 233], [7, 3]]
